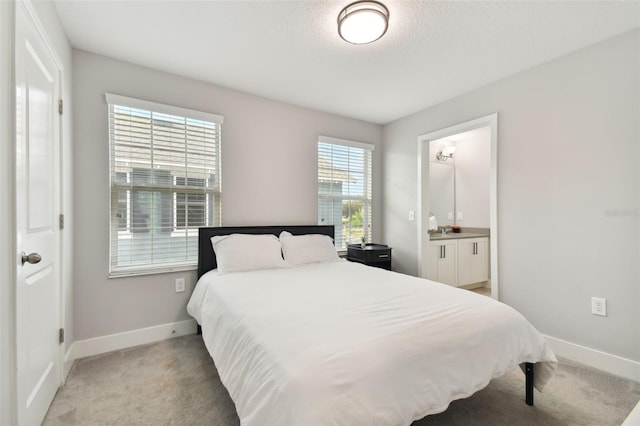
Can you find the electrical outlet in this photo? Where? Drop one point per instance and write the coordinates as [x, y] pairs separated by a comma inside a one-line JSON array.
[[180, 285], [599, 306], [459, 216], [450, 216]]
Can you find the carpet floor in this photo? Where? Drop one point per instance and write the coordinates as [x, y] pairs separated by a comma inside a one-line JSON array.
[[174, 382]]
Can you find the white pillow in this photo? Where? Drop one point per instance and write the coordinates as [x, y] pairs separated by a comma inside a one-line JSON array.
[[245, 252], [305, 249]]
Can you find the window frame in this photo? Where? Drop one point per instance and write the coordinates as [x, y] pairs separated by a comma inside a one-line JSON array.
[[213, 194]]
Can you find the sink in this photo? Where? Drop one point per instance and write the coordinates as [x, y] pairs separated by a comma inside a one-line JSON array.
[[438, 235]]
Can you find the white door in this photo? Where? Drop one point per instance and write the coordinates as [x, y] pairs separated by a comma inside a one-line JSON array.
[[37, 210]]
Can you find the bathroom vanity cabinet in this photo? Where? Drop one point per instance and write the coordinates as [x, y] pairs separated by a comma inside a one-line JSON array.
[[458, 260]]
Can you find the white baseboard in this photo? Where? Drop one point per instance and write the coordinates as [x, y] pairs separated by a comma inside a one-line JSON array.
[[68, 362], [112, 342], [83, 348], [610, 363]]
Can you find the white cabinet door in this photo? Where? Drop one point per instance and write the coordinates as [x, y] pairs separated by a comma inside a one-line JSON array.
[[473, 260], [441, 261], [480, 261], [447, 264], [433, 254]]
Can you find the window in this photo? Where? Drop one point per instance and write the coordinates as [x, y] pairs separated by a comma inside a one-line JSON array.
[[344, 189], [165, 184]]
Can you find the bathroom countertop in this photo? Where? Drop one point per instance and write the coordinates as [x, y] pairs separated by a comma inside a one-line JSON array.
[[436, 236]]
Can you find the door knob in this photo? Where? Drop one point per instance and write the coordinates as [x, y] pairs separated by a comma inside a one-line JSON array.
[[31, 258]]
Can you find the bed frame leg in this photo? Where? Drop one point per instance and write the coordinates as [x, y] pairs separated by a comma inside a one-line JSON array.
[[528, 372]]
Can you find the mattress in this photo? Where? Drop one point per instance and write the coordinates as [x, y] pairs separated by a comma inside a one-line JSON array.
[[341, 343]]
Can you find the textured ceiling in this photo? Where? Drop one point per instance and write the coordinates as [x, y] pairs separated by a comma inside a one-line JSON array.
[[290, 50]]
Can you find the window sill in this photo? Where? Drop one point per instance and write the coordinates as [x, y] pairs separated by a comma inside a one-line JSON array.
[[138, 271]]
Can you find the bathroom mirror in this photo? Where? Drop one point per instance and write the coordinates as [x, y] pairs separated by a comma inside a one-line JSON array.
[[442, 192]]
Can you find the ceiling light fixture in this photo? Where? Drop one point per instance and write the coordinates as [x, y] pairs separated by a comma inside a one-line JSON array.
[[446, 153], [363, 22]]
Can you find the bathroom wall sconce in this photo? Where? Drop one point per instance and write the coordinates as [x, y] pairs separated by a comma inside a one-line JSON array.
[[446, 153], [363, 22]]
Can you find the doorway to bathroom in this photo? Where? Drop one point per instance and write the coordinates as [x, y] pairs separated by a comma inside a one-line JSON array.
[[457, 204]]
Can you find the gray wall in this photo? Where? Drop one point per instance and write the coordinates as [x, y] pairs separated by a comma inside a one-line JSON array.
[[269, 176], [568, 190]]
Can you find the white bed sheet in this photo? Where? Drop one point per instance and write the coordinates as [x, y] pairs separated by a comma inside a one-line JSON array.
[[346, 344]]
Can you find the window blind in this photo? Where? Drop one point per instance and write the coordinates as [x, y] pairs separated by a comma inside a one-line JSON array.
[[344, 189], [165, 183]]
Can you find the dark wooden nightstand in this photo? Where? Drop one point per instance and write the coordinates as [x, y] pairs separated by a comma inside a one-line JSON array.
[[377, 255]]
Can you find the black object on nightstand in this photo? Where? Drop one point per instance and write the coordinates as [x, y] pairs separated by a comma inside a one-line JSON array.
[[378, 255]]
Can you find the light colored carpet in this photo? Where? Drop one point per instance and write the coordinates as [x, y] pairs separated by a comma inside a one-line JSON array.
[[175, 382]]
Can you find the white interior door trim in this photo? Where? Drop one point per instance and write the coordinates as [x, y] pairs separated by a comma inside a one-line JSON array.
[[7, 226], [32, 16], [423, 190]]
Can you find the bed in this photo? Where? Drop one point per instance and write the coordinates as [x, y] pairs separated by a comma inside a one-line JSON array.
[[340, 343]]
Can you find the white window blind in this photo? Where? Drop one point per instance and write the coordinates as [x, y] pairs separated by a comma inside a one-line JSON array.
[[344, 189], [165, 184]]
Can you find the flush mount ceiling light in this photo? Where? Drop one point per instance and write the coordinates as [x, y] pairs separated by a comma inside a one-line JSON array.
[[363, 22]]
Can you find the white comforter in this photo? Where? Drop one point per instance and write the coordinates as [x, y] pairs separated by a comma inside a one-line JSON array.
[[345, 344]]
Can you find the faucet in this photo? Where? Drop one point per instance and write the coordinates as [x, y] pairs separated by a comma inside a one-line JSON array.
[[444, 231]]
